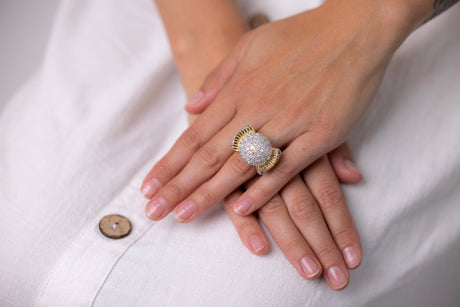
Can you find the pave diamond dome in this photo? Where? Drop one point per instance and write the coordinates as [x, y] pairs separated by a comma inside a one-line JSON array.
[[255, 149]]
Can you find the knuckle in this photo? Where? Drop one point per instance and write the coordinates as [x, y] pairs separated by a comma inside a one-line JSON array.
[[208, 156], [330, 196], [273, 208], [190, 139], [285, 171], [173, 190], [239, 166], [303, 208], [163, 167], [245, 227], [293, 245], [205, 195], [326, 126], [326, 252], [344, 235]]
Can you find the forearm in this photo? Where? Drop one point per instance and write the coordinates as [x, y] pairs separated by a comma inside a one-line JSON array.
[[201, 33]]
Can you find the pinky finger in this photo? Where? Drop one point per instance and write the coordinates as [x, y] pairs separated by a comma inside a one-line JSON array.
[[248, 227]]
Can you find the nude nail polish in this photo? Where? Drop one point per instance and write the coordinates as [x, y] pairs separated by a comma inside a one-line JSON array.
[[337, 277], [309, 266], [242, 206], [184, 211], [351, 166], [150, 187], [196, 98], [156, 208], [351, 256], [257, 243]]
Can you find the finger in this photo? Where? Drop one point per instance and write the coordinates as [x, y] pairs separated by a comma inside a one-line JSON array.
[[307, 217], [302, 152], [212, 85], [232, 174], [278, 222], [185, 147], [342, 163], [322, 182], [203, 128], [248, 227], [193, 177], [218, 78]]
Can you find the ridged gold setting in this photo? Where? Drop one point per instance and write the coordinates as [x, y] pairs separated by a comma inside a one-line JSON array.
[[271, 161], [255, 150], [240, 135]]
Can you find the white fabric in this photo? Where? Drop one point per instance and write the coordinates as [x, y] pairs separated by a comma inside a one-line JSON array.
[[77, 140]]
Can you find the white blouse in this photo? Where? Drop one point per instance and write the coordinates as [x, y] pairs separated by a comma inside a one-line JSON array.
[[76, 141]]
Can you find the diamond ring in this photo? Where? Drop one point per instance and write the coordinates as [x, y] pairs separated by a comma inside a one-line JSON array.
[[255, 149]]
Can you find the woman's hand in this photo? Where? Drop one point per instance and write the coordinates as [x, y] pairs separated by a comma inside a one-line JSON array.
[[309, 220], [299, 241], [303, 82]]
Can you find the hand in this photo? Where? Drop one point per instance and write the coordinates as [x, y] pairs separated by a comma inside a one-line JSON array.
[[299, 244], [303, 82], [309, 220]]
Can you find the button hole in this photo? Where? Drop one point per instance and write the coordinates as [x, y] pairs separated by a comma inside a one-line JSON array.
[[114, 226]]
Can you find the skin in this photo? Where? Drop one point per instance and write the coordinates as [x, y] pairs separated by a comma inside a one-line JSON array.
[[298, 61], [195, 57]]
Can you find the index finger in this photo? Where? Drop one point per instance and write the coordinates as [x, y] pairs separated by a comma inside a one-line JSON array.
[[202, 130]]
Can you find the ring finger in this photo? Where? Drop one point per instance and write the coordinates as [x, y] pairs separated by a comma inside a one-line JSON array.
[[307, 216], [276, 218]]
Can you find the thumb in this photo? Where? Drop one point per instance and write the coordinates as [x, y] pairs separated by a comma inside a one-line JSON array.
[[342, 163], [218, 78]]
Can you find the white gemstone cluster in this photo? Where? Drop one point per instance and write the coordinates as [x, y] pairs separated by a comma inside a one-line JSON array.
[[255, 149]]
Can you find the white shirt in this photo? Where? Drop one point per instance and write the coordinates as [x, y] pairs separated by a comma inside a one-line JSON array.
[[77, 140]]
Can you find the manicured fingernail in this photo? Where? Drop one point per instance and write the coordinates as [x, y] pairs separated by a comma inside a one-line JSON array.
[[337, 276], [184, 211], [309, 266], [242, 206], [150, 187], [156, 208], [196, 98], [351, 166], [351, 256], [257, 243]]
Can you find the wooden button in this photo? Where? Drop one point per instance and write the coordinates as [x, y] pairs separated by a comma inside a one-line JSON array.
[[258, 20], [115, 226]]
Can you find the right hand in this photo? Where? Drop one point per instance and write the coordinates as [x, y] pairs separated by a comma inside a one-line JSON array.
[[300, 241]]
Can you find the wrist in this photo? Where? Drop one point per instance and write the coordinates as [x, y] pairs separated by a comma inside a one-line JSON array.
[[383, 25], [196, 56]]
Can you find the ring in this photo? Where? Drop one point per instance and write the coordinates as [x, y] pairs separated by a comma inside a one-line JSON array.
[[255, 149]]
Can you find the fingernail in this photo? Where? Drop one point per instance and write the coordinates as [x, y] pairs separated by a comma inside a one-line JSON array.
[[309, 266], [337, 276], [185, 211], [196, 98], [242, 206], [351, 166], [150, 187], [351, 256], [156, 208], [257, 243]]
